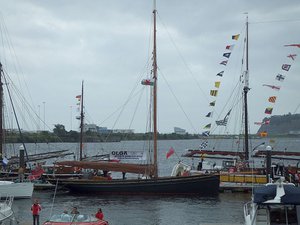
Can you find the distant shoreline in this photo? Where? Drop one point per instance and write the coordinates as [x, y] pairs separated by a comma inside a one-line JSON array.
[[73, 137]]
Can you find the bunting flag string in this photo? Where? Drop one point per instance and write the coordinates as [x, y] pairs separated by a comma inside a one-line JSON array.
[[217, 84], [280, 78]]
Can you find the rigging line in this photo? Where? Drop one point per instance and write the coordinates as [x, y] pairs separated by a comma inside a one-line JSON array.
[[29, 109], [190, 122], [119, 115], [133, 116], [53, 198], [276, 21], [184, 61], [119, 108], [13, 52], [297, 108], [14, 112]]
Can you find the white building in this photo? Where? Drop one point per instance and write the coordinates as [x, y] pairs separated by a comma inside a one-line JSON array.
[[178, 130]]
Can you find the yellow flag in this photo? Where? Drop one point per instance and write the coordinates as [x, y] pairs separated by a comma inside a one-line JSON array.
[[213, 92], [217, 84]]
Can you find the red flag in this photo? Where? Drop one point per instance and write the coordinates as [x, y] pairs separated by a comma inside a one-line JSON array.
[[170, 152]]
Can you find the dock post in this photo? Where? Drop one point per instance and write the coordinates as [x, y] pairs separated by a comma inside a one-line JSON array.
[[22, 157], [268, 162]]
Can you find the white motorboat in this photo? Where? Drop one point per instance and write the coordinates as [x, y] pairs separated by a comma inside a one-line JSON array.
[[6, 212], [274, 203], [18, 190]]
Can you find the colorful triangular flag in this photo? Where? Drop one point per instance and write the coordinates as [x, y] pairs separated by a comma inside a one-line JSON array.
[[269, 110], [208, 126], [213, 103], [280, 77], [227, 55], [286, 67], [224, 62], [209, 114], [229, 47], [272, 99], [170, 152], [220, 74], [292, 56], [277, 88], [214, 92], [235, 37], [206, 133]]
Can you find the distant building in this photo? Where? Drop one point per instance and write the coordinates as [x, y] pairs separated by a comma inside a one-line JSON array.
[[178, 130], [90, 127], [103, 130], [123, 131]]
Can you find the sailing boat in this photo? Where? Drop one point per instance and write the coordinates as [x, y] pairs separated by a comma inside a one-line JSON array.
[[235, 164], [204, 184], [8, 188]]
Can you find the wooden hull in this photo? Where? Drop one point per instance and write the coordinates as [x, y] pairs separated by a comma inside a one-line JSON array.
[[207, 185]]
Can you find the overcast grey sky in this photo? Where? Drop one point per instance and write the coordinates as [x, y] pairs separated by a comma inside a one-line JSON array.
[[107, 44]]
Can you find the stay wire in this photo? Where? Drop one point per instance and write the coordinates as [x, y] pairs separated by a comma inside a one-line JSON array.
[[178, 102]]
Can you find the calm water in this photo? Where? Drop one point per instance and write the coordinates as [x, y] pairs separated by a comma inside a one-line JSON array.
[[227, 208]]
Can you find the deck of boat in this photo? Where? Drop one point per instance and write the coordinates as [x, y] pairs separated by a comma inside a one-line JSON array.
[[237, 187]]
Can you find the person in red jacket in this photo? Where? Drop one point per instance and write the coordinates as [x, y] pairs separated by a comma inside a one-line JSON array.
[[35, 209], [99, 215]]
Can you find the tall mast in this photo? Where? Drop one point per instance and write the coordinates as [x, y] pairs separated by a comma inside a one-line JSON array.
[[1, 113], [81, 123], [154, 94], [246, 89]]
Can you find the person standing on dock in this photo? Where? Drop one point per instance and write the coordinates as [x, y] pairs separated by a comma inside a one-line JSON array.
[[35, 209], [21, 174]]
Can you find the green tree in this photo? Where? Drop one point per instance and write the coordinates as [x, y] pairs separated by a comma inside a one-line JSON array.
[[59, 130]]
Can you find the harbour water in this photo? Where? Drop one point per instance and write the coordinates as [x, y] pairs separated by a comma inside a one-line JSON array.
[[227, 208]]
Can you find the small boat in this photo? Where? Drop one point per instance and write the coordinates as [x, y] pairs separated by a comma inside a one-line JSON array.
[[78, 219], [18, 190], [6, 212], [274, 203]]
